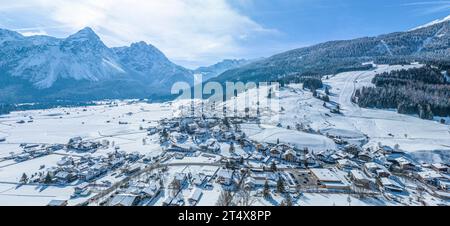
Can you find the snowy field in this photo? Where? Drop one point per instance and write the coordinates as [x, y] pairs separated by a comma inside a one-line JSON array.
[[94, 123], [387, 127], [122, 124], [57, 126], [297, 139]]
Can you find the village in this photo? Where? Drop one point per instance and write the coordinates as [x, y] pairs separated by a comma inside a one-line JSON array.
[[203, 156], [306, 151]]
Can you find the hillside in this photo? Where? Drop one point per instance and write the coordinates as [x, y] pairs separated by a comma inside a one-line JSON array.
[[82, 67], [430, 42]]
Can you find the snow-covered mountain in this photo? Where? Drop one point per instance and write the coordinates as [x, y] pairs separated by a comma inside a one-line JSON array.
[[47, 67], [433, 23], [430, 42], [144, 60]]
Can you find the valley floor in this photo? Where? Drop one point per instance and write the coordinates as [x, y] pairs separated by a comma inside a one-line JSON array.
[[122, 126]]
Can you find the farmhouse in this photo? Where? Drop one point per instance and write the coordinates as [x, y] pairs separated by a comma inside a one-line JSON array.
[[81, 189], [211, 145], [365, 156], [251, 182], [352, 149], [428, 176], [124, 200], [198, 179], [346, 165], [174, 147], [65, 161], [275, 153], [152, 190], [404, 164], [65, 177], [289, 156], [390, 185], [440, 167], [225, 176], [359, 178], [180, 178], [376, 170], [195, 196], [57, 203]]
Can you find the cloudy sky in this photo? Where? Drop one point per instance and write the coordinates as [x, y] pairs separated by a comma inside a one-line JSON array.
[[202, 32]]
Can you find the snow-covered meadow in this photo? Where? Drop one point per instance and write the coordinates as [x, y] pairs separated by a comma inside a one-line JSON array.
[[122, 124]]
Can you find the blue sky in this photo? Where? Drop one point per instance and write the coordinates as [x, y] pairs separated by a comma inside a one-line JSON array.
[[201, 32], [306, 22]]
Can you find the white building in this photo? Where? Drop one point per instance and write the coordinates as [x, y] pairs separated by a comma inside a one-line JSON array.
[[194, 198], [124, 200], [225, 176], [329, 179]]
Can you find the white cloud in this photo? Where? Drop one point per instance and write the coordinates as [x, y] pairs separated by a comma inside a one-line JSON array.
[[186, 30], [429, 7], [32, 33]]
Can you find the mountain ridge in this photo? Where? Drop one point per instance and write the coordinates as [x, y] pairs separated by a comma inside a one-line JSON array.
[[82, 67], [428, 43], [42, 66]]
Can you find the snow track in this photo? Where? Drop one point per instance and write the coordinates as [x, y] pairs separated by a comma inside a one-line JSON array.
[[387, 126]]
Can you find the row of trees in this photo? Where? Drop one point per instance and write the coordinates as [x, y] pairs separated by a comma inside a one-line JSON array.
[[312, 83], [427, 75], [422, 91], [7, 108]]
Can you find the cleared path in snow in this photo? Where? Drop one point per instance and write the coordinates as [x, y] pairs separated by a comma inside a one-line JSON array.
[[410, 132]]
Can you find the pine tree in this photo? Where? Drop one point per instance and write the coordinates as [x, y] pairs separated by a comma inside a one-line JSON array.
[[269, 96], [305, 160], [273, 167], [266, 191], [280, 185], [232, 148], [24, 179], [48, 179]]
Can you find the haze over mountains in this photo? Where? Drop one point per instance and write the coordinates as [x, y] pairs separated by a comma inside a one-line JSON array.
[[81, 67], [218, 68]]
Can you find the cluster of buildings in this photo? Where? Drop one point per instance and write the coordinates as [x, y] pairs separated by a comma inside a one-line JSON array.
[[89, 168], [138, 192], [79, 145], [380, 169], [189, 135], [347, 169], [31, 151]]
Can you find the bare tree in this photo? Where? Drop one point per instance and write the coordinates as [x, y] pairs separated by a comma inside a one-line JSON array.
[[225, 199], [245, 197], [176, 186], [287, 201]]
